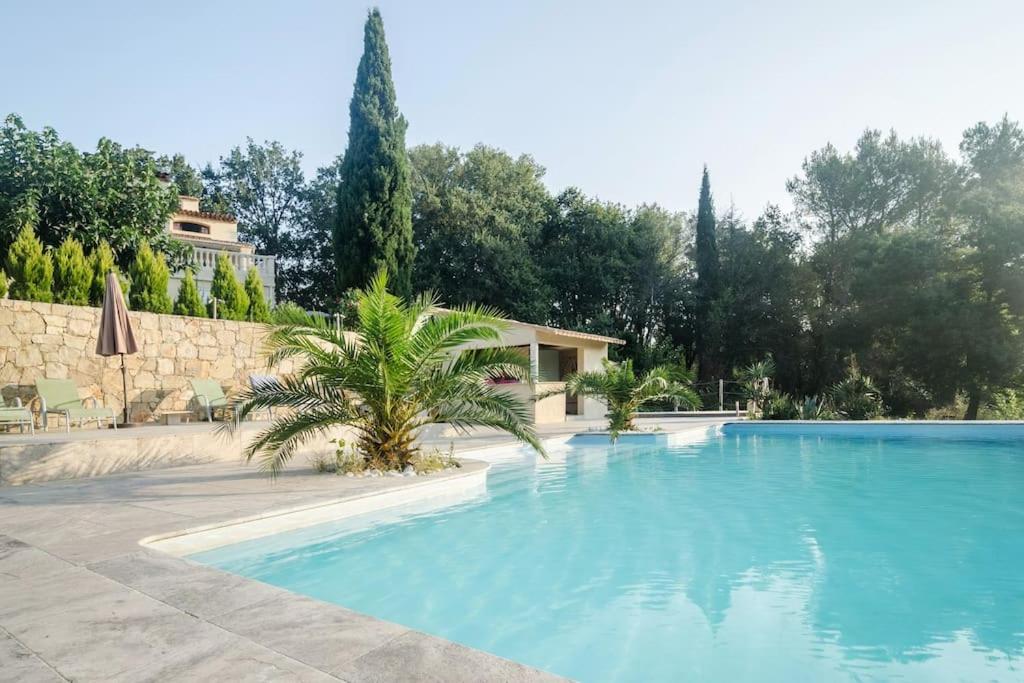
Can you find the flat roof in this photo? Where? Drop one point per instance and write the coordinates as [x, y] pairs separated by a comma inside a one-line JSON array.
[[560, 332]]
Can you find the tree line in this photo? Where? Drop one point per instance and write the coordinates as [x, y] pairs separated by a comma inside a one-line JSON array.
[[900, 263]]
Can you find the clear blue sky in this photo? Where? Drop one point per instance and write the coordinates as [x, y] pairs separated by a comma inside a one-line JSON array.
[[623, 99]]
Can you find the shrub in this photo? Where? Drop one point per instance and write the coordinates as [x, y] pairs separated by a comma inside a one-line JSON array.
[[434, 460], [855, 397], [816, 408], [1006, 405], [150, 277], [232, 301], [30, 268], [3, 284], [258, 311], [189, 302], [72, 275], [101, 262], [780, 406], [286, 312]]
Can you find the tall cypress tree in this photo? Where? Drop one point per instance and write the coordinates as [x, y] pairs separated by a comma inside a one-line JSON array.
[[706, 257], [373, 227]]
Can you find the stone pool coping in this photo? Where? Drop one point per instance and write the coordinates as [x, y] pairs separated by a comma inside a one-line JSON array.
[[472, 475], [81, 600]]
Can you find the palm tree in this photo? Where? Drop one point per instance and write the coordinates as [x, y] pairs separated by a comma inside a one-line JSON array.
[[856, 397], [620, 388], [754, 380], [399, 370]]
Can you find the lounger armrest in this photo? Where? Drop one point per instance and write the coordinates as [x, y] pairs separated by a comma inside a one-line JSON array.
[[203, 401]]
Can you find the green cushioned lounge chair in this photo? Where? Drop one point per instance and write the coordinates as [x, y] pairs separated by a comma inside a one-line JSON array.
[[210, 397], [17, 415], [60, 397]]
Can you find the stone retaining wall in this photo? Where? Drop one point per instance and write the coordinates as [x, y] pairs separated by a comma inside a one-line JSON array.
[[57, 341]]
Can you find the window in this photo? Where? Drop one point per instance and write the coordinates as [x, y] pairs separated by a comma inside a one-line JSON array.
[[193, 227]]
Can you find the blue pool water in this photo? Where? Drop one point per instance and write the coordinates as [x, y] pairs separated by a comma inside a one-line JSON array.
[[745, 556]]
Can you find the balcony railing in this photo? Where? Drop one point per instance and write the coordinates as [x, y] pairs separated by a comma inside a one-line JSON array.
[[205, 259]]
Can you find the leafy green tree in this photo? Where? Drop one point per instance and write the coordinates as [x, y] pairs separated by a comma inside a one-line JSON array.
[[761, 303], [30, 268], [72, 275], [189, 301], [625, 392], [232, 301], [585, 256], [404, 370], [706, 290], [101, 262], [258, 311], [150, 277], [374, 218], [263, 187], [306, 259], [3, 284], [477, 219], [185, 179], [110, 194]]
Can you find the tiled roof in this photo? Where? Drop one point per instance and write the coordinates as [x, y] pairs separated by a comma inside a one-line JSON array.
[[227, 217]]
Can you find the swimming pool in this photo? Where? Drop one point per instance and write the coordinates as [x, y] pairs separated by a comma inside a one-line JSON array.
[[764, 554]]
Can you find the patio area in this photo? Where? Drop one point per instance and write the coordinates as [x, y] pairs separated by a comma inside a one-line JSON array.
[[80, 599]]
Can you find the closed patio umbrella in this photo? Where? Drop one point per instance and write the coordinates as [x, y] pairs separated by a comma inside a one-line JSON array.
[[116, 335]]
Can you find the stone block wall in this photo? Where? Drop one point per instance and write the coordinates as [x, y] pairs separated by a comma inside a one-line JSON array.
[[57, 341]]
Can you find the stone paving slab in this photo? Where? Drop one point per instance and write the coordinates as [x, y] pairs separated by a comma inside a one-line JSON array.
[[81, 600]]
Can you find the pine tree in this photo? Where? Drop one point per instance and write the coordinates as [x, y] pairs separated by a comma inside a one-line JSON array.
[[232, 301], [706, 257], [72, 275], [373, 228], [189, 301], [258, 312], [150, 277], [30, 268], [101, 262]]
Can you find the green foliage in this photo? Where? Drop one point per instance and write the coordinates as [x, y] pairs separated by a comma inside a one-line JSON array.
[[72, 275], [258, 311], [101, 262], [478, 220], [3, 284], [402, 371], [374, 215], [30, 268], [816, 408], [855, 397], [149, 276], [707, 284], [110, 194], [263, 187], [232, 301], [624, 392], [755, 379], [184, 178], [780, 406], [189, 301], [1006, 405]]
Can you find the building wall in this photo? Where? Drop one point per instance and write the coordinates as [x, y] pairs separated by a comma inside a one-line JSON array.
[[57, 341]]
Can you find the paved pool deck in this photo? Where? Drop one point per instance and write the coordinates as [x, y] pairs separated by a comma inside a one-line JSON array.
[[81, 600]]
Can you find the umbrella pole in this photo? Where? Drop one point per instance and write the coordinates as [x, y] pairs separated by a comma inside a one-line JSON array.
[[124, 385]]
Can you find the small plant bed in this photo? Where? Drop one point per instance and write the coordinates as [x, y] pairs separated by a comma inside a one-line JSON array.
[[347, 461]]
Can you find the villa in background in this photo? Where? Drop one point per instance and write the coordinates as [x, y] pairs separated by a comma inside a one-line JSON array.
[[211, 235]]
